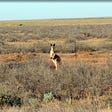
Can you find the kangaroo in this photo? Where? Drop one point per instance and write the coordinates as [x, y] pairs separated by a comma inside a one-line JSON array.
[[54, 57]]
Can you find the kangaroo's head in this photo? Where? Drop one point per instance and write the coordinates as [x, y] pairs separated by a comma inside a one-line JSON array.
[[52, 46]]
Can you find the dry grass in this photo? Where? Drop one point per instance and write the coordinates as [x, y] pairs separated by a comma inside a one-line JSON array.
[[83, 81], [55, 107], [34, 78], [58, 22]]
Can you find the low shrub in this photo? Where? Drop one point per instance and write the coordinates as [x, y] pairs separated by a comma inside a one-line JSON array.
[[47, 97], [10, 100]]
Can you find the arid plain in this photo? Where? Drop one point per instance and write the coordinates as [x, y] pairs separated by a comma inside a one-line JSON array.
[[28, 79]]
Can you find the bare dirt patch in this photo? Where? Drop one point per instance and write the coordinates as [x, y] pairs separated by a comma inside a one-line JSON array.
[[13, 57], [88, 57], [69, 58]]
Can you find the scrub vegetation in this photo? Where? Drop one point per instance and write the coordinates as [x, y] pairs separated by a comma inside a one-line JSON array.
[[82, 83]]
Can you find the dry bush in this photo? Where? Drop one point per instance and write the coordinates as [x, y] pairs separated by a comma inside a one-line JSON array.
[[35, 47], [33, 79], [24, 33], [77, 81], [69, 46], [66, 32]]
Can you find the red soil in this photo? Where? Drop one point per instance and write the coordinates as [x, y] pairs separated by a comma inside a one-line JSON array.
[[70, 58]]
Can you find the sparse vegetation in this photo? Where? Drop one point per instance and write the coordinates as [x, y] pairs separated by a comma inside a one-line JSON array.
[[77, 81], [28, 79], [10, 100]]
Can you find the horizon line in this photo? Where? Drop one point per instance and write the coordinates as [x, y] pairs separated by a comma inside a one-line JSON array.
[[106, 17]]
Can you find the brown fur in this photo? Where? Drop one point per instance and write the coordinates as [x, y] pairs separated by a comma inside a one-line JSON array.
[[54, 57], [57, 58]]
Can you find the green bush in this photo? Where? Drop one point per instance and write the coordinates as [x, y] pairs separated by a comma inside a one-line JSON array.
[[33, 100], [47, 97], [10, 100]]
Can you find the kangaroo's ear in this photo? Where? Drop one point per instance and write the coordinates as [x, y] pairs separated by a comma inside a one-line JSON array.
[[53, 44]]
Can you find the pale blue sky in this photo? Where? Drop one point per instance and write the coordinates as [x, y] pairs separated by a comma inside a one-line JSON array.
[[53, 10]]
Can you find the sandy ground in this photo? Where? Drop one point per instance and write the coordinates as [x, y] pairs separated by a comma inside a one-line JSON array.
[[69, 58]]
